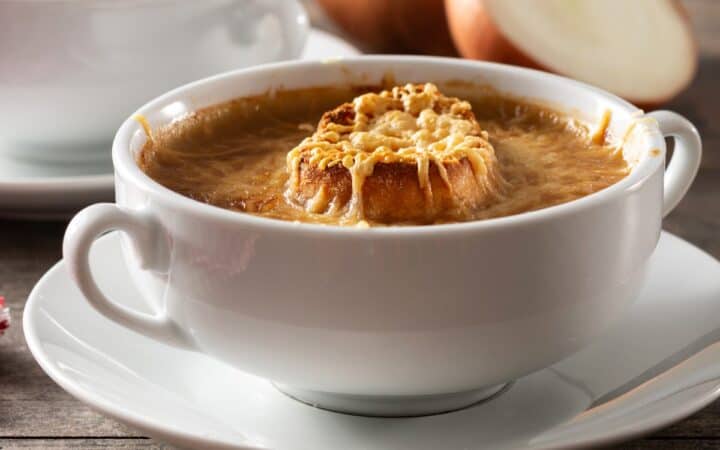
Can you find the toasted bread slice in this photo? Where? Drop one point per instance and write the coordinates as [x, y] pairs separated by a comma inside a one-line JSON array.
[[409, 154]]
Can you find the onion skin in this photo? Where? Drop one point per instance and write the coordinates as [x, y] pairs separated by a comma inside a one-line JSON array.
[[477, 37], [394, 26]]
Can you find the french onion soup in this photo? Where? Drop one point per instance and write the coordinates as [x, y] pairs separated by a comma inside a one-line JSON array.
[[372, 156]]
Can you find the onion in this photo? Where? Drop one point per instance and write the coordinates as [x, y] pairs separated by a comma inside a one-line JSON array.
[[394, 26], [642, 50]]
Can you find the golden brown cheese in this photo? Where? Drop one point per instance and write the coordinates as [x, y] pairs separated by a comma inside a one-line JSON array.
[[410, 126]]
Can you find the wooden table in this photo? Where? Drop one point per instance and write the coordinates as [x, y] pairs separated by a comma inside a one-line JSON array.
[[36, 413]]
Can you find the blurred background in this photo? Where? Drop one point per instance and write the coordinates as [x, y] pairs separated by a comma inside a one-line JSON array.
[[36, 413]]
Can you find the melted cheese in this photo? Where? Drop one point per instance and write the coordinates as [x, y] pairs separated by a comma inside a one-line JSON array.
[[599, 136], [412, 124], [142, 120]]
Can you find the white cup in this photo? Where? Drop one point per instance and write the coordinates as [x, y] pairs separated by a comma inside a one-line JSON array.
[[390, 320], [72, 70]]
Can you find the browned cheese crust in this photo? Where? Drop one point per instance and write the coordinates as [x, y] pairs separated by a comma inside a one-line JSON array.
[[406, 155]]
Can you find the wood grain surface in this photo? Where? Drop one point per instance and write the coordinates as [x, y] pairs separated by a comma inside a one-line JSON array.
[[36, 414]]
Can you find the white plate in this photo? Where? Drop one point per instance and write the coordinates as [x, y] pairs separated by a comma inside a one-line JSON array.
[[657, 366], [36, 190]]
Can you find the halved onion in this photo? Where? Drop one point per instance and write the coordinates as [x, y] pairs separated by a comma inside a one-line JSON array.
[[642, 50]]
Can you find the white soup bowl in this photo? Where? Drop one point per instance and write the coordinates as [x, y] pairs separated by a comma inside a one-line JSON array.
[[388, 320]]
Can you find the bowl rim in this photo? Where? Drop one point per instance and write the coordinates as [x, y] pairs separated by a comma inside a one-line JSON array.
[[126, 167]]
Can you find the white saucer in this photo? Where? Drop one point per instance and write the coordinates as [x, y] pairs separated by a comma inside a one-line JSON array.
[[658, 366], [36, 190]]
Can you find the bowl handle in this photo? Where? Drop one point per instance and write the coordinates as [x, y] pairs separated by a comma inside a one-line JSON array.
[[294, 23], [685, 161], [144, 233], [296, 27]]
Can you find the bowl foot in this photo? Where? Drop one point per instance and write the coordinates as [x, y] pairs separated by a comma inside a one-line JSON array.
[[391, 406]]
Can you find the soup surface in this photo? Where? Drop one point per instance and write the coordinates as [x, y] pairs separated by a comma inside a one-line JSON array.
[[235, 156]]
